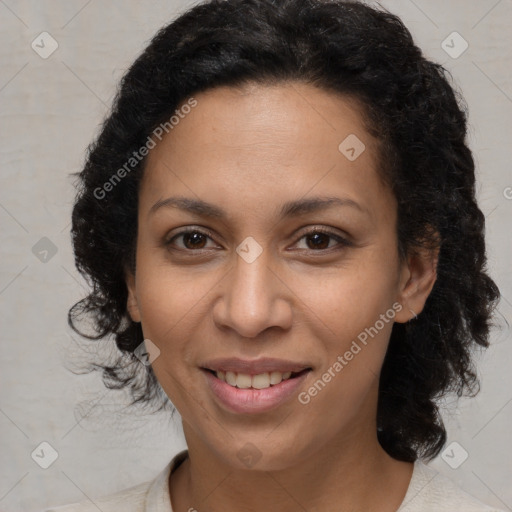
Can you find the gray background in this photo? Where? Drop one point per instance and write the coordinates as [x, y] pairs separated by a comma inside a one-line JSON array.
[[50, 111]]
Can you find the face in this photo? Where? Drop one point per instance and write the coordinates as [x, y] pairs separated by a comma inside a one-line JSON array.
[[259, 236]]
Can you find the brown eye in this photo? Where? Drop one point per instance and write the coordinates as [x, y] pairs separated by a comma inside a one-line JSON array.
[[318, 241], [191, 240], [321, 240], [194, 240]]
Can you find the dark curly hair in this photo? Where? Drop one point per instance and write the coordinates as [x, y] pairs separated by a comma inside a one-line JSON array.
[[342, 47]]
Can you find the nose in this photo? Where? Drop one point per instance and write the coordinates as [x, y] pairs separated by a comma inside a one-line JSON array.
[[254, 297]]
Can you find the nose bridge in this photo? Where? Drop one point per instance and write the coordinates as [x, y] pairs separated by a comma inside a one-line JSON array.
[[251, 282], [253, 299]]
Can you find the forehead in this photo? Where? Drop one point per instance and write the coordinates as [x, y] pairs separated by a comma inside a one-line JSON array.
[[278, 116], [265, 142]]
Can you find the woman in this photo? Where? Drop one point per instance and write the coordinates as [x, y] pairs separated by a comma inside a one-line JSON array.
[[279, 223]]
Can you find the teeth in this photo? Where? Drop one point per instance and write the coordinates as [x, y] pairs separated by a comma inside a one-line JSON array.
[[246, 381], [243, 381]]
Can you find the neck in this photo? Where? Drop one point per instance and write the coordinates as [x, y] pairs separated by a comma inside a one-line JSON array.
[[353, 474]]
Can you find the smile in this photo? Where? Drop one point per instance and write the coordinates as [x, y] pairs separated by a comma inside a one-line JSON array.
[[246, 381], [249, 394]]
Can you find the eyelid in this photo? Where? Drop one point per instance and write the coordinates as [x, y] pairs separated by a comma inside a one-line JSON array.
[[309, 230], [189, 229], [342, 240]]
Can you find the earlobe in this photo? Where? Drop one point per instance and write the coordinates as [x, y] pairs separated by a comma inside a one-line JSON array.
[[418, 278], [132, 305]]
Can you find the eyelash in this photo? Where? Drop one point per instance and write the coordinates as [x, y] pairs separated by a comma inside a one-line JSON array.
[[342, 242]]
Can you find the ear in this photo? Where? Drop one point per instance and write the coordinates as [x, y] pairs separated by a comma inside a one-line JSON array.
[[131, 303], [418, 275]]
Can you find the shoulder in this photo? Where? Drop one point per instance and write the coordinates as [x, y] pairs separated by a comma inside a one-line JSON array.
[[431, 490], [148, 496], [127, 500]]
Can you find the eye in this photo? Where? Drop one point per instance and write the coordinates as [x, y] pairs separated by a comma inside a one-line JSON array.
[[319, 239], [192, 239], [316, 240]]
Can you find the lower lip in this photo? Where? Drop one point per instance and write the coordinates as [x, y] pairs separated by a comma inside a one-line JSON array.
[[251, 401]]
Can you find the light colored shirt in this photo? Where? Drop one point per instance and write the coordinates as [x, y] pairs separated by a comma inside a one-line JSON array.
[[428, 491]]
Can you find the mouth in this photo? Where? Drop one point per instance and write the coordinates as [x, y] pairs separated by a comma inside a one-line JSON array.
[[243, 393], [263, 380]]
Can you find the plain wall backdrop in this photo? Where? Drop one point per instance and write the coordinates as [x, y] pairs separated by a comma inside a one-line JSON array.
[[51, 109]]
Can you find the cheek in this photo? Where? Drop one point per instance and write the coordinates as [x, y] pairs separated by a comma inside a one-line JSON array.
[[167, 295], [345, 388], [354, 311], [350, 298], [172, 306]]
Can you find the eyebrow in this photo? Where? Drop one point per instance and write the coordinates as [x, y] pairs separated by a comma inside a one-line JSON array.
[[289, 209]]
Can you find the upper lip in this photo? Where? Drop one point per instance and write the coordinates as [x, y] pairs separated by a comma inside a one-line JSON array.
[[255, 366]]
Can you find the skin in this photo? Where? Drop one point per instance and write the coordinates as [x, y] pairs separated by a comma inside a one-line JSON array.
[[248, 151]]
